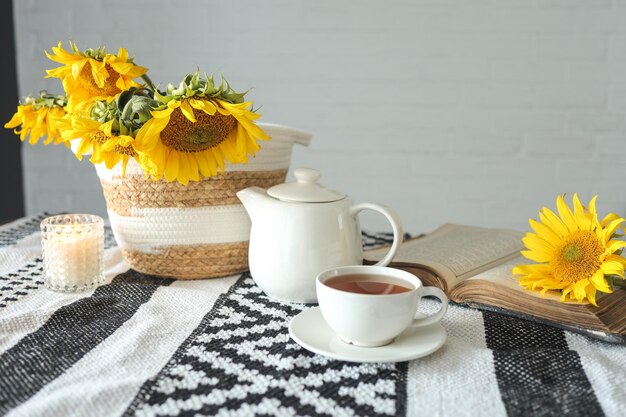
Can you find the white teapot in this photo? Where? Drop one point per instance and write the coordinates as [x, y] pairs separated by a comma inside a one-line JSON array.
[[300, 229]]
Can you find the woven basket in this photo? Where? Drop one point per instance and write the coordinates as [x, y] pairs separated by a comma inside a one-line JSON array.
[[196, 231]]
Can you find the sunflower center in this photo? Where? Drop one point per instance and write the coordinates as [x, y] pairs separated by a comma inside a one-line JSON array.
[[125, 150], [578, 256], [570, 253], [208, 131], [101, 138], [85, 79]]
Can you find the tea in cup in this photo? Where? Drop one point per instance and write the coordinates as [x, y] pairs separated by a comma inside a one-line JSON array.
[[371, 305]]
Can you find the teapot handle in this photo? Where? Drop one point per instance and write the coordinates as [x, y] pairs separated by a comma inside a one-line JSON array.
[[395, 224]]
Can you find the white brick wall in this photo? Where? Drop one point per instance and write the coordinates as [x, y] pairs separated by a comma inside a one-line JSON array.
[[472, 111]]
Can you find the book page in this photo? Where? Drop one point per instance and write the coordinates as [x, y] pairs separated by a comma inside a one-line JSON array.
[[462, 250], [502, 274]]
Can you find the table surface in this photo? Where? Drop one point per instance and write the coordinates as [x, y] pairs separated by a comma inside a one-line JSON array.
[[147, 346]]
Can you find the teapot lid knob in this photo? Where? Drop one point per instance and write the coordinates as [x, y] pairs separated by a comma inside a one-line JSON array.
[[307, 174], [305, 189]]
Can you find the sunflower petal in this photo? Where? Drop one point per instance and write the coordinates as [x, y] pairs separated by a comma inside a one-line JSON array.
[[124, 163], [171, 166], [566, 214], [579, 210], [98, 72], [83, 147], [122, 54], [77, 67], [161, 114], [583, 219], [535, 256], [546, 232], [121, 67], [183, 168], [109, 145], [148, 135], [187, 111], [550, 219], [534, 242], [579, 289], [205, 164], [15, 121], [194, 170], [592, 206], [204, 105], [591, 294], [614, 245], [608, 218], [600, 282], [612, 268], [612, 227], [616, 258], [107, 128]]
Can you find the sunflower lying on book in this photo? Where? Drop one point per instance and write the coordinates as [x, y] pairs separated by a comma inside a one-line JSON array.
[[183, 134], [575, 252]]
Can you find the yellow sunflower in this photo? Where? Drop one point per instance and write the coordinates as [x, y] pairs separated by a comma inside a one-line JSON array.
[[192, 137], [38, 117], [574, 251], [93, 75], [98, 139]]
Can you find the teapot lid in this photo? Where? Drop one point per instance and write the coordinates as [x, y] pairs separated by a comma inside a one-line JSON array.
[[305, 189]]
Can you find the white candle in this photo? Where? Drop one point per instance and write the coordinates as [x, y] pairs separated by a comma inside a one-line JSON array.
[[73, 249]]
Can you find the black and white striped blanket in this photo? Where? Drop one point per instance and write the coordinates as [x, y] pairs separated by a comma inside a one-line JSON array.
[[147, 346]]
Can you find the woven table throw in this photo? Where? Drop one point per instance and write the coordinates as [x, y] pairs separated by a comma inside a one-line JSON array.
[[147, 346]]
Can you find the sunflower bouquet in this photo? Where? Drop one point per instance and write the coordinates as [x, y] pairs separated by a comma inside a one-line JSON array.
[[170, 160], [183, 133]]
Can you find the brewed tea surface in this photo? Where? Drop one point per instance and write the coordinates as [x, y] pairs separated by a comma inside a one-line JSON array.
[[366, 284]]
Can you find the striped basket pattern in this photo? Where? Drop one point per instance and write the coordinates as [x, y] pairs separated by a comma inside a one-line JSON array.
[[196, 231]]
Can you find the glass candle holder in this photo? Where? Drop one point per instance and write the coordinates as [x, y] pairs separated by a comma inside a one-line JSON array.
[[73, 252]]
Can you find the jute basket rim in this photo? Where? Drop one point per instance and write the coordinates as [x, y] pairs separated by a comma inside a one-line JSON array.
[[301, 137]]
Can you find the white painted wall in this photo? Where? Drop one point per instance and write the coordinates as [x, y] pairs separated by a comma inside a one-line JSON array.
[[471, 111]]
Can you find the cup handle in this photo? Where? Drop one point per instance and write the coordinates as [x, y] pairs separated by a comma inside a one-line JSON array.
[[435, 318], [395, 224]]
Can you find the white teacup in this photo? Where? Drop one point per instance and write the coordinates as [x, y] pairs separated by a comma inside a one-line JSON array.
[[364, 312]]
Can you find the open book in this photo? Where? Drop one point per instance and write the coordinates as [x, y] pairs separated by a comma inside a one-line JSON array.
[[472, 265]]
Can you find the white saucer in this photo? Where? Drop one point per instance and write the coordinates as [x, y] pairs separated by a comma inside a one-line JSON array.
[[310, 330]]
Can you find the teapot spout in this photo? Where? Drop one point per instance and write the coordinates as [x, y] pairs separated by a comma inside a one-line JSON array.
[[252, 198]]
